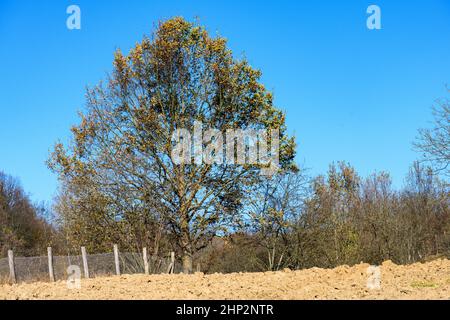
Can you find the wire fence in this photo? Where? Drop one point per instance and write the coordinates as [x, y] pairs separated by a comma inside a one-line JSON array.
[[32, 269]]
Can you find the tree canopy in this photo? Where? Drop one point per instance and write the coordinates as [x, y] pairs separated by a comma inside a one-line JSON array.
[[120, 164]]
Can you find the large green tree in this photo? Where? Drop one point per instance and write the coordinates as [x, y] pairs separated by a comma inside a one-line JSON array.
[[122, 151]]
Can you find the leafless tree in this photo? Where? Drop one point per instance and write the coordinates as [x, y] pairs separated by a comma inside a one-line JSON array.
[[434, 143]]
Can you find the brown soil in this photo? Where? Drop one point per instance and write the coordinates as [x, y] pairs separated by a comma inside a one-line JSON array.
[[429, 280]]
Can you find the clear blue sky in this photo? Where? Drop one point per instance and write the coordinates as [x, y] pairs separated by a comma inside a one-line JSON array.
[[350, 93]]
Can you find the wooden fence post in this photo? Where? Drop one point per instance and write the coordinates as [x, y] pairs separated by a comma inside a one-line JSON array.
[[85, 262], [116, 259], [171, 268], [50, 264], [12, 270], [144, 255], [172, 257], [171, 263]]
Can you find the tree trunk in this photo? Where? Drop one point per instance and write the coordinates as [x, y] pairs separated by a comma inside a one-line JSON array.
[[187, 263]]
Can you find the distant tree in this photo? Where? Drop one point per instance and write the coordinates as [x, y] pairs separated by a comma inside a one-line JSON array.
[[378, 219], [425, 212], [273, 208], [348, 219], [434, 143], [121, 151], [22, 227], [327, 229]]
